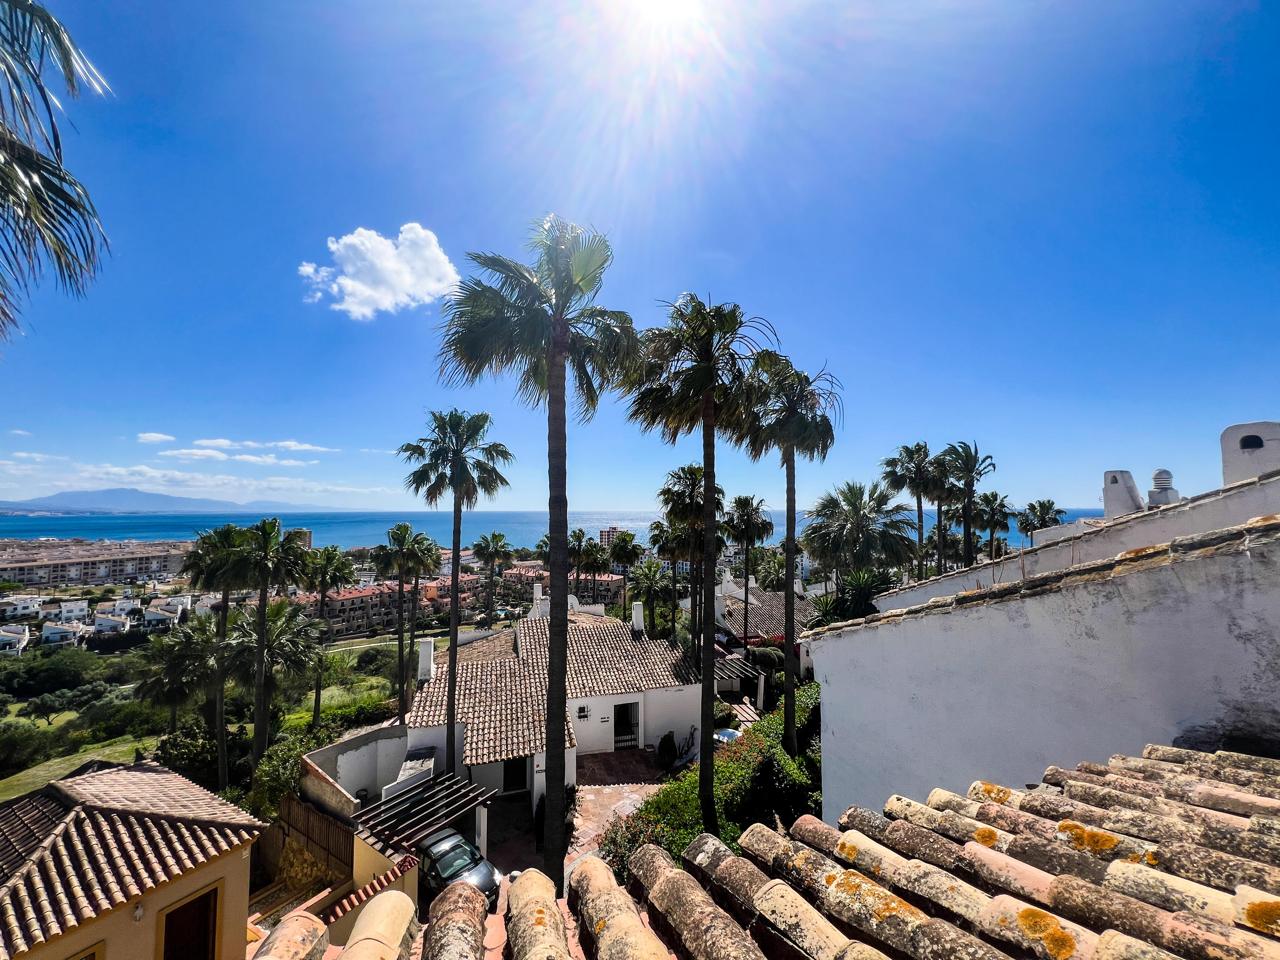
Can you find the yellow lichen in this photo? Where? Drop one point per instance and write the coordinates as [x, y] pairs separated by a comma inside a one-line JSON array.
[[600, 925], [1263, 915], [1038, 925], [994, 792], [986, 836], [1097, 842]]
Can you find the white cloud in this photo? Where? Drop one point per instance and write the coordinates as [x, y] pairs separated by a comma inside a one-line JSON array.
[[194, 454], [372, 273], [376, 450], [222, 443], [150, 437], [19, 432], [37, 457], [272, 459]]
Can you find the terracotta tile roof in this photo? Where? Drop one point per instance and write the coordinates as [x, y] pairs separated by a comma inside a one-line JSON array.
[[1172, 854], [502, 700], [95, 841], [381, 882], [766, 618]]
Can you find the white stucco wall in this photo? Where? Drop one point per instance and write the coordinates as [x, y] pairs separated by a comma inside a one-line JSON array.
[[1182, 653], [595, 732], [1221, 508], [673, 709], [435, 737]]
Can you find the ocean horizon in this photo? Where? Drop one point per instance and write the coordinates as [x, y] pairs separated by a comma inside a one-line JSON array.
[[346, 529]]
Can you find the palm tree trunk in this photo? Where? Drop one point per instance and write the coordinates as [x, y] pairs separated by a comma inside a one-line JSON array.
[[675, 600], [219, 702], [400, 685], [991, 543], [261, 709], [746, 593], [939, 536], [966, 523], [315, 702], [554, 840], [790, 660], [451, 695], [706, 764], [919, 537], [413, 625]]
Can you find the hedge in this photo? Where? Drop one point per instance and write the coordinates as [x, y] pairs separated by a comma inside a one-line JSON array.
[[755, 781]]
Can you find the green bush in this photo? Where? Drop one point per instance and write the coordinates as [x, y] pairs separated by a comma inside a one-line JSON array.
[[724, 716], [755, 781], [667, 750]]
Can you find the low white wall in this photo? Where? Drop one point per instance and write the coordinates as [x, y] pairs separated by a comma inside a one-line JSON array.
[[594, 734], [1212, 511], [434, 737], [1177, 648]]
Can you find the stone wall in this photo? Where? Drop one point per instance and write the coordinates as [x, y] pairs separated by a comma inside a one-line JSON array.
[[1172, 644]]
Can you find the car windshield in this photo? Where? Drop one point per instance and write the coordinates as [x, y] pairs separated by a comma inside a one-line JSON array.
[[457, 859]]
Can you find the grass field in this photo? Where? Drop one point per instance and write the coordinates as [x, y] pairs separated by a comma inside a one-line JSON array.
[[120, 750], [59, 720]]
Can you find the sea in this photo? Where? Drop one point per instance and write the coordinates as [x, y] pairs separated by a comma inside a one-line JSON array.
[[349, 529]]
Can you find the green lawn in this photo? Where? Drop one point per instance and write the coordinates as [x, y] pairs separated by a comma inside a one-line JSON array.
[[120, 750], [58, 721]]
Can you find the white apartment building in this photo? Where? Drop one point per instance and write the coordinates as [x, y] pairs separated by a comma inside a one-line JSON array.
[[13, 639], [111, 623], [19, 605], [64, 634]]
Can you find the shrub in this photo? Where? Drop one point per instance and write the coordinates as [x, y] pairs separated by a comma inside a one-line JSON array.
[[755, 781], [667, 750], [724, 716]]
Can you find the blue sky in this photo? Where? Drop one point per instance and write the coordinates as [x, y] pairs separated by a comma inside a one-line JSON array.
[[1048, 227]]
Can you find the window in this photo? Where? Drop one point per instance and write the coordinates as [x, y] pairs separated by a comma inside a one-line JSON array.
[[96, 952], [1251, 441], [1115, 479], [584, 712]]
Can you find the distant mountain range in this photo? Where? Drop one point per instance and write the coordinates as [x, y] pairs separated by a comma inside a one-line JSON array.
[[129, 500]]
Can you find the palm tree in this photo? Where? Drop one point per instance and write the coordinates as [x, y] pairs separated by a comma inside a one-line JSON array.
[[292, 641], [682, 504], [169, 679], [210, 658], [327, 568], [272, 557], [626, 553], [942, 490], [594, 562], [790, 412], [992, 512], [217, 562], [857, 525], [772, 572], [1039, 515], [649, 582], [456, 458], [49, 219], [747, 523], [910, 469], [693, 377], [542, 549], [491, 550], [423, 560], [542, 323], [967, 467], [665, 541], [577, 544]]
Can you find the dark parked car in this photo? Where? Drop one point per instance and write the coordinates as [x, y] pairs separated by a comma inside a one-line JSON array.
[[448, 857]]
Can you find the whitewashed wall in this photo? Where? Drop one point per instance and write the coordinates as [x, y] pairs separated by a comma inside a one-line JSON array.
[[1223, 508], [1179, 653], [673, 709], [434, 737]]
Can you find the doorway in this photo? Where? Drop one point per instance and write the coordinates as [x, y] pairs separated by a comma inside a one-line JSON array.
[[626, 726], [190, 930], [515, 774]]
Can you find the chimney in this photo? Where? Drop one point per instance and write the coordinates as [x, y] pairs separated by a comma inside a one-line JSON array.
[[798, 587], [537, 594], [637, 617], [1162, 491], [426, 662]]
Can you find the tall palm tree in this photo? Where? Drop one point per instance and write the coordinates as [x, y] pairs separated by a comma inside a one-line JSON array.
[[649, 582], [967, 466], [1039, 515], [858, 525], [747, 523], [217, 563], [910, 469], [992, 512], [455, 459], [272, 557], [626, 553], [292, 639], [681, 499], [542, 549], [665, 541], [577, 544], [169, 680], [327, 568], [210, 659], [693, 378], [541, 322], [789, 411], [423, 559], [493, 549], [594, 562], [49, 220], [944, 493]]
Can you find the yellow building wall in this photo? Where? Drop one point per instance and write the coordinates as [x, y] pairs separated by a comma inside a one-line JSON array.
[[124, 938]]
